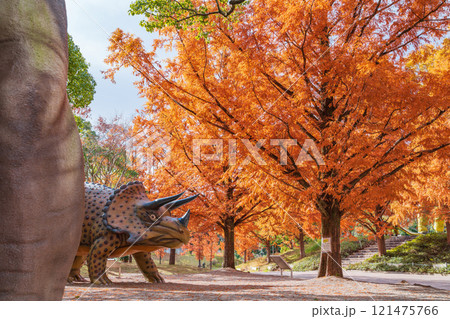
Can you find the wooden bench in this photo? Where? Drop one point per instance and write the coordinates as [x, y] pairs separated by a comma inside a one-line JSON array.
[[112, 264], [281, 263]]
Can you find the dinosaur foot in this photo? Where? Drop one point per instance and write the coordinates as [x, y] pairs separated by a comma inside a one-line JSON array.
[[76, 278], [154, 277], [102, 280]]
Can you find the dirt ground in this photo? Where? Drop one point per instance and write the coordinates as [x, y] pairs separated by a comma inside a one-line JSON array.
[[228, 284]]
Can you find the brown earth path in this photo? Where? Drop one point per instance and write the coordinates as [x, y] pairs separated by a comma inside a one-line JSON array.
[[228, 284]]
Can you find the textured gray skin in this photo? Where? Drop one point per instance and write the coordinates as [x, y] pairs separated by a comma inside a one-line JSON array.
[[41, 166]]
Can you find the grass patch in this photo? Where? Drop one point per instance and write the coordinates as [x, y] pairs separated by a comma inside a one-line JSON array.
[[417, 256], [256, 264]]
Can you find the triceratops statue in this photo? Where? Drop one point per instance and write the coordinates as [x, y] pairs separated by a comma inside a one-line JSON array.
[[125, 222]]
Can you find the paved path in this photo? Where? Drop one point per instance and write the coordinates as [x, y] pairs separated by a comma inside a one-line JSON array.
[[436, 281], [228, 284]]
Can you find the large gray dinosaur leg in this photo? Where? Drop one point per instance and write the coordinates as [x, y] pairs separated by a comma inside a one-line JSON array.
[[41, 166]]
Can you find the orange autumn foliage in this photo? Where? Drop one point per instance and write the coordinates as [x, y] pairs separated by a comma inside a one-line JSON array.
[[223, 205], [203, 245], [333, 73], [160, 253]]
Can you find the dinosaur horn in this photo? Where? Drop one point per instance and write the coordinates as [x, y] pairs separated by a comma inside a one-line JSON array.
[[185, 219], [178, 203], [161, 201]]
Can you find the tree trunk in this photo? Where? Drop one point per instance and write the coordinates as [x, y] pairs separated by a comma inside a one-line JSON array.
[[301, 242], [210, 263], [245, 256], [160, 259], [381, 243], [199, 263], [172, 256], [330, 261], [228, 253], [447, 224], [268, 248]]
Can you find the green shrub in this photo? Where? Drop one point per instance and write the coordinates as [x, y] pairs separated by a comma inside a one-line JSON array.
[[417, 255], [307, 263], [429, 248]]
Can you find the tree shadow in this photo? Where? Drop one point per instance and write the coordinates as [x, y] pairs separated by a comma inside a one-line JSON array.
[[243, 286]]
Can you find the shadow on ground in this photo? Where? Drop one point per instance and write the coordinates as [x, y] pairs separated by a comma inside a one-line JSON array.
[[236, 285]]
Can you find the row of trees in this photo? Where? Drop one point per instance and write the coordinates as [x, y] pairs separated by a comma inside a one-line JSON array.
[[106, 150], [365, 82], [356, 80]]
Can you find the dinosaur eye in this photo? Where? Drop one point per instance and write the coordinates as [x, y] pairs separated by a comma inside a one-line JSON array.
[[152, 217]]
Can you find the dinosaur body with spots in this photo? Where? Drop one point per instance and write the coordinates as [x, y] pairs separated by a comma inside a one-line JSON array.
[[125, 222]]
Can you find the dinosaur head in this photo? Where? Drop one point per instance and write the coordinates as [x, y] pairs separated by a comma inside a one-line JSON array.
[[164, 230], [147, 222]]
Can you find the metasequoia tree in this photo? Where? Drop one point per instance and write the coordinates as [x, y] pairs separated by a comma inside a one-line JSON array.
[[267, 228], [172, 256], [299, 223], [377, 222], [422, 188], [204, 245], [430, 191], [427, 195], [417, 190], [245, 243], [372, 210], [223, 204], [265, 240], [211, 247], [298, 233], [331, 73], [160, 253], [196, 246]]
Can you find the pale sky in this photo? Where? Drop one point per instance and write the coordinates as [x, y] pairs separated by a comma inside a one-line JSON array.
[[90, 22]]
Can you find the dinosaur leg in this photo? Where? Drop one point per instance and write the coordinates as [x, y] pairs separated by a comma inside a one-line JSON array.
[[148, 267], [75, 271], [96, 260]]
